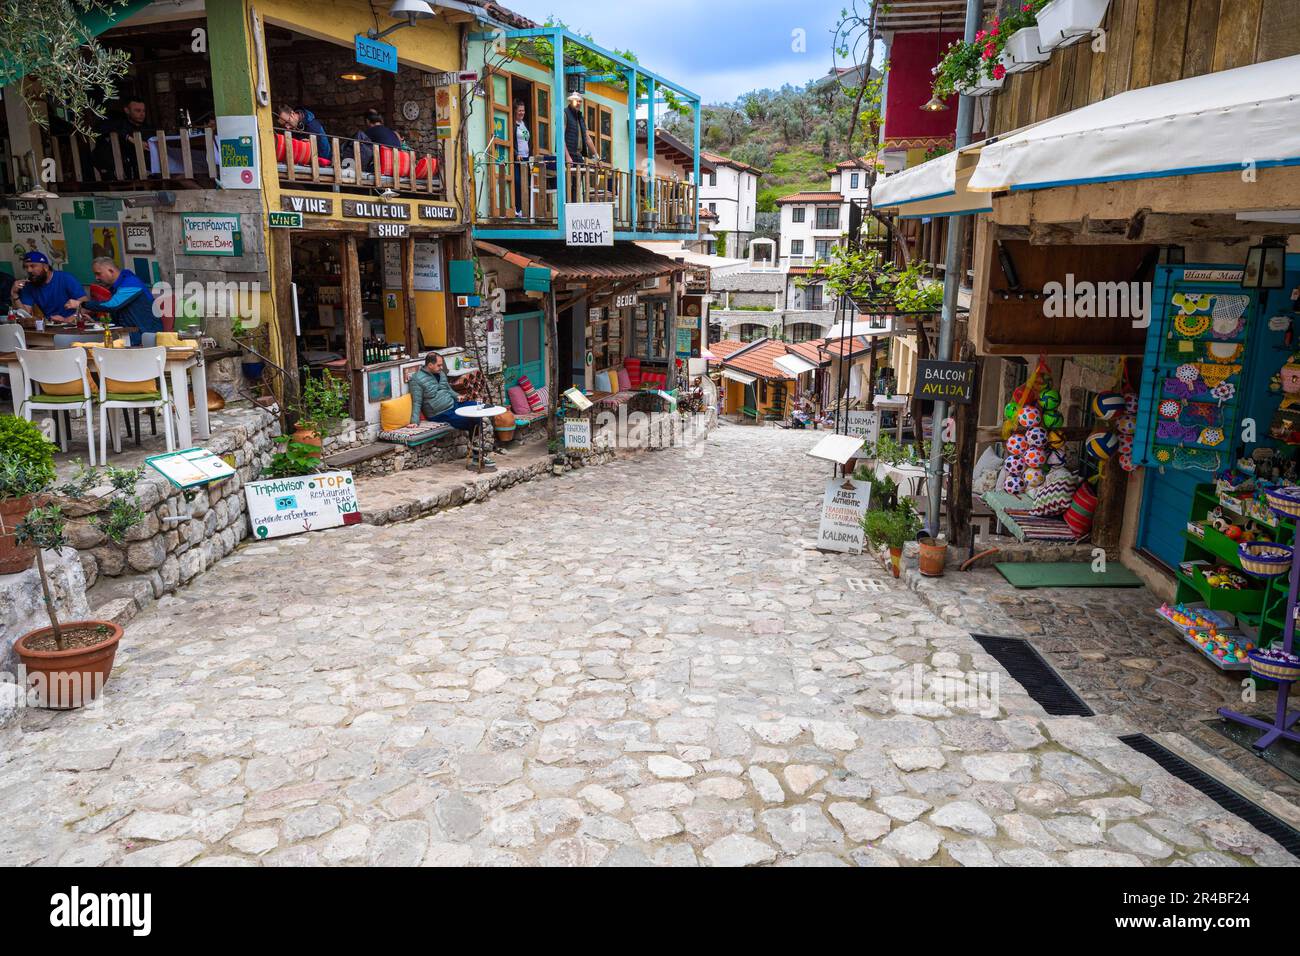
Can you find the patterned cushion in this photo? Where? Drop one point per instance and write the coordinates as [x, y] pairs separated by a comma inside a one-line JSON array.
[[534, 402], [518, 403], [545, 395], [1079, 515], [633, 369], [624, 381], [1054, 495]]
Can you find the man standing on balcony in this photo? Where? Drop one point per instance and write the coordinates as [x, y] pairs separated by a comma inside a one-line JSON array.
[[300, 120], [523, 152], [57, 294], [578, 141], [130, 301], [123, 126]]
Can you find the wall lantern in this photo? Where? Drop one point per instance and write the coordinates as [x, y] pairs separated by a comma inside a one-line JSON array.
[[408, 11], [1265, 265]]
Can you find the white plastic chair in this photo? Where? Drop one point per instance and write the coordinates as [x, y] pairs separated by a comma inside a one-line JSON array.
[[131, 365], [12, 338], [56, 367]]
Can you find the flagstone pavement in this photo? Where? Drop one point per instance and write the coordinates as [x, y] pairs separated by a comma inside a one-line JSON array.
[[642, 663]]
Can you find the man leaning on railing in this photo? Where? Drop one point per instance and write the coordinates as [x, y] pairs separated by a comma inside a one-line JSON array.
[[123, 125]]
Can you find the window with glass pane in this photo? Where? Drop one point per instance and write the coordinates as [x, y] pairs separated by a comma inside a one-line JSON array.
[[813, 297], [824, 247], [796, 247], [797, 213], [853, 181], [828, 217], [804, 332]]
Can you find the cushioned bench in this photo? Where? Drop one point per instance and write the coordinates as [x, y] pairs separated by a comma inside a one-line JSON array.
[[413, 436]]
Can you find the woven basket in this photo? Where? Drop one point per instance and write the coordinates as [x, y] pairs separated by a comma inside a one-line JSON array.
[[1264, 559], [1285, 500], [1272, 670]]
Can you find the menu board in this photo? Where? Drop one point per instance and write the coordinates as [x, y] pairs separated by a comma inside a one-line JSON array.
[[428, 266], [284, 506], [392, 265], [191, 467]]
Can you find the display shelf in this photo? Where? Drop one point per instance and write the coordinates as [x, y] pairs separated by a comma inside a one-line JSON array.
[[1223, 599]]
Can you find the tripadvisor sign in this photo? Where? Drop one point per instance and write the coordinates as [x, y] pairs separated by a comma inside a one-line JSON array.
[[589, 224]]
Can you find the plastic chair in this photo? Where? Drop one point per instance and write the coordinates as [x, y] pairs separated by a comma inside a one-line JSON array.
[[131, 365], [58, 367], [12, 338]]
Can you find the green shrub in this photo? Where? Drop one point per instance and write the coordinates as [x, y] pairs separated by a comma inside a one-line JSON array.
[[23, 447]]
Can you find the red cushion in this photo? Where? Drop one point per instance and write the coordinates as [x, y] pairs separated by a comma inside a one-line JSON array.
[[633, 367], [426, 167], [386, 161]]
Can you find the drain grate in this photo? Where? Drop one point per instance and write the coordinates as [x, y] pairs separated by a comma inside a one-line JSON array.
[[1023, 662], [1263, 821]]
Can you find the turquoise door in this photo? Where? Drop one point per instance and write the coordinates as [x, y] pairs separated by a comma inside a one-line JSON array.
[[525, 349]]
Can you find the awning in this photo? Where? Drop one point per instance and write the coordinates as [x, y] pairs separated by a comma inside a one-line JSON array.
[[1245, 118], [934, 188], [740, 377], [93, 23], [584, 263], [794, 364]]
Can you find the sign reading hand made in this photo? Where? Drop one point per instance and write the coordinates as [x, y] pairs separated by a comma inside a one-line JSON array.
[[589, 224], [946, 381], [285, 506]]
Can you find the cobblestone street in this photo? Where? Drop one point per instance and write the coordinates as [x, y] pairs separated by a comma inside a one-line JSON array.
[[639, 663]]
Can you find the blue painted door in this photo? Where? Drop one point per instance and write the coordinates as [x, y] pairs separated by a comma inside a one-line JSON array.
[[525, 348]]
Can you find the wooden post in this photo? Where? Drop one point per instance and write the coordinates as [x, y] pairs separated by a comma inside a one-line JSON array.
[[671, 332], [550, 324], [352, 318], [1112, 491], [922, 352], [411, 328], [963, 468], [282, 330]]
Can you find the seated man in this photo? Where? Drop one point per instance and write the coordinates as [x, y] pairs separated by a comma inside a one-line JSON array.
[[432, 394], [57, 294], [131, 301]]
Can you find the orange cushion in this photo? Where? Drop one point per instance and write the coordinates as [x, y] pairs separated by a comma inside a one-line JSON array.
[[395, 413], [62, 388]]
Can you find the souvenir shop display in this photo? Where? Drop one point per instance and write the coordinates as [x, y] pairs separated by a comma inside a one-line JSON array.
[[1211, 633], [1033, 444]]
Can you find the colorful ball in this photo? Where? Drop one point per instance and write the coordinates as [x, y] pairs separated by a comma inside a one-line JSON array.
[[1106, 405], [1131, 402], [1034, 458], [1029, 417], [1016, 444], [1055, 457], [1013, 484], [1102, 445], [1055, 440], [1036, 436], [1033, 477], [1127, 425], [1050, 400], [1015, 465], [1010, 410], [1053, 419], [1126, 462]]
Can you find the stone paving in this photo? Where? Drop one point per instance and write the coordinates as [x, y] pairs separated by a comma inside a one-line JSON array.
[[636, 664], [1113, 650]]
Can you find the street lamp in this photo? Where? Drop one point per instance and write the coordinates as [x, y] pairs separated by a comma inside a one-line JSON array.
[[406, 10]]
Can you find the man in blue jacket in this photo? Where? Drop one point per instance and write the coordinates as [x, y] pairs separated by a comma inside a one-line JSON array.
[[130, 301], [56, 294], [305, 121]]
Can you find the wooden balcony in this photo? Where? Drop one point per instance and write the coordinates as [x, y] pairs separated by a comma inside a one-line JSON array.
[[353, 164], [523, 195], [176, 159]]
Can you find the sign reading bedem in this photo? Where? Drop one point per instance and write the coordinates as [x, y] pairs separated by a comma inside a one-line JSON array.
[[589, 224], [843, 505], [284, 506]]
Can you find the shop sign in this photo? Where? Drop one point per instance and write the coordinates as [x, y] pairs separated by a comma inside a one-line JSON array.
[[589, 224], [629, 300], [364, 209], [313, 205], [577, 434], [390, 230], [382, 56], [284, 220], [237, 152], [211, 234], [433, 211], [284, 506], [946, 381], [452, 78], [496, 349], [863, 424], [843, 505], [138, 236], [1212, 275]]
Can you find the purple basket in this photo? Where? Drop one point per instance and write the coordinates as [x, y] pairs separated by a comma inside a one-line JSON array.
[[1283, 672], [1264, 559], [1285, 501]]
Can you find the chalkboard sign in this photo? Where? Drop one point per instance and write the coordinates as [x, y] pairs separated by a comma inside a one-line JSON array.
[[946, 381]]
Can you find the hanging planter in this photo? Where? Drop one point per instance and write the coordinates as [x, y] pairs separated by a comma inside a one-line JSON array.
[[1064, 22], [1022, 51], [988, 85]]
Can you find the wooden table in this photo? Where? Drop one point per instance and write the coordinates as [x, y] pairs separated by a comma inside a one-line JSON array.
[[181, 362], [45, 339]]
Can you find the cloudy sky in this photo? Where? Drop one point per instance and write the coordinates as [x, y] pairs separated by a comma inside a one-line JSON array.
[[717, 48]]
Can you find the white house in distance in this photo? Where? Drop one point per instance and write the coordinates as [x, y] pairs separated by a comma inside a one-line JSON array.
[[730, 190], [811, 224]]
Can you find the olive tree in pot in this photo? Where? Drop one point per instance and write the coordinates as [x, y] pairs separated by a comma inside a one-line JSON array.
[[67, 663], [26, 468], [892, 528]]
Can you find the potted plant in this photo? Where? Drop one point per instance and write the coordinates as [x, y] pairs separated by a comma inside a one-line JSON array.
[[1063, 22], [68, 662], [649, 215], [892, 528], [323, 404], [991, 69], [1023, 51], [26, 467], [958, 71]]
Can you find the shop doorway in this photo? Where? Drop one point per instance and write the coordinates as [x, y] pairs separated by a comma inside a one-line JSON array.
[[525, 348], [570, 338]]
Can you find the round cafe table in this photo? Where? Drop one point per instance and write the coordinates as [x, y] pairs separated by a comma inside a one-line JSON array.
[[484, 414]]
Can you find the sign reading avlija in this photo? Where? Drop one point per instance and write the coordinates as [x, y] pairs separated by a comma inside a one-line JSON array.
[[284, 506]]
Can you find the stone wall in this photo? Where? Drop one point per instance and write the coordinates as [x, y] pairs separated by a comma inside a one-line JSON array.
[[180, 536]]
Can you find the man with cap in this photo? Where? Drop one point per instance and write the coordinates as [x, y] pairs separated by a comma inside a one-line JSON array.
[[578, 141], [57, 294], [130, 301]]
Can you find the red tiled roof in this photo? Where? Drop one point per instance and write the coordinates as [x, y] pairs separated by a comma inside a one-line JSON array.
[[580, 263], [810, 197], [724, 347], [719, 160], [810, 350]]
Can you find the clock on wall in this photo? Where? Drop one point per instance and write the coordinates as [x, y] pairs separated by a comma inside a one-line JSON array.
[[411, 110]]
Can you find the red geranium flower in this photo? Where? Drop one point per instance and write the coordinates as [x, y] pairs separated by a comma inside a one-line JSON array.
[[999, 71]]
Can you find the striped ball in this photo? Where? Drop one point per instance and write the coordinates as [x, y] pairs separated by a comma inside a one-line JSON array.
[[1102, 445], [1106, 405]]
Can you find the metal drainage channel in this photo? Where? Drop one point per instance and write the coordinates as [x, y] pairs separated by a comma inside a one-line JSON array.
[[1023, 662], [1263, 821]]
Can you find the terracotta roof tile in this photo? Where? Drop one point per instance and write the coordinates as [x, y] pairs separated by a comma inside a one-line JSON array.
[[811, 197]]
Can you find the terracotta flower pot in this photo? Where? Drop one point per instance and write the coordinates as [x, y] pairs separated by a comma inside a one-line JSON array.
[[65, 680], [14, 557], [932, 559], [895, 560], [504, 425], [308, 436]]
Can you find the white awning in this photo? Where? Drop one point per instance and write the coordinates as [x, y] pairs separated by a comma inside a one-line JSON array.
[[740, 377], [794, 364], [934, 188], [836, 448], [1245, 118]]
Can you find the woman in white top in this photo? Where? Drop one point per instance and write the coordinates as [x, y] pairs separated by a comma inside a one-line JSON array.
[[523, 152]]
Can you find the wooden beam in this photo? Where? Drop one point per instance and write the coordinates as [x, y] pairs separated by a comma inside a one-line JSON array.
[[282, 328], [353, 315]]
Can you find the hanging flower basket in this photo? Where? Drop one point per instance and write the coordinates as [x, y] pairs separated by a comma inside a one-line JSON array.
[[1063, 22], [1022, 51], [1274, 665], [988, 86], [1264, 559]]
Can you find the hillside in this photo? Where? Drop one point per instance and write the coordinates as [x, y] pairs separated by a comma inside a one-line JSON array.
[[794, 135]]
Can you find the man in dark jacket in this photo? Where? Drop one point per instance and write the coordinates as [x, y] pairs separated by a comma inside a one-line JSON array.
[[130, 301], [121, 125], [379, 134], [432, 394], [301, 120]]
